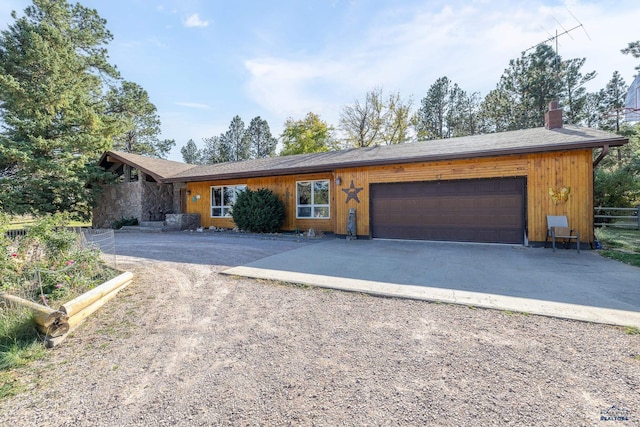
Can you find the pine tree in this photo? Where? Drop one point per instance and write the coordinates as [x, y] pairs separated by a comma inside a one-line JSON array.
[[53, 64], [261, 142], [130, 104]]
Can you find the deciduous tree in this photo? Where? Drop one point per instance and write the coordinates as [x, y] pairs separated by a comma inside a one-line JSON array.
[[308, 135]]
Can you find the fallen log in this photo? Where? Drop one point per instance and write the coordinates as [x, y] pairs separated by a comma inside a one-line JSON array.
[[54, 330], [78, 304], [50, 342], [43, 315], [79, 316], [50, 322], [39, 309]]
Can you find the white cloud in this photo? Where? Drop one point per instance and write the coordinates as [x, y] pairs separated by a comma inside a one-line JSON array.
[[195, 21], [472, 45]]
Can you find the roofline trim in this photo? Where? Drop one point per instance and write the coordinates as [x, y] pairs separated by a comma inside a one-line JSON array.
[[431, 158]]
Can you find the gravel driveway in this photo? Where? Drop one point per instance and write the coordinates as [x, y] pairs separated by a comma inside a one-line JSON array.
[[184, 345]]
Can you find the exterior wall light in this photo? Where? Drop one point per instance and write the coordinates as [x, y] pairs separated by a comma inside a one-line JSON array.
[[338, 180]]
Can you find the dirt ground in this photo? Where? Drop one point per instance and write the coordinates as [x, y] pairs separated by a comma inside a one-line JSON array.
[[184, 345]]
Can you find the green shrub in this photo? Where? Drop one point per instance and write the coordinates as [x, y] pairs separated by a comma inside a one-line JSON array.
[[258, 211], [118, 224]]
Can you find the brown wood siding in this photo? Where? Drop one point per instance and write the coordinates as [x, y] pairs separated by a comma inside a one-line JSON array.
[[542, 171], [571, 169], [283, 186]]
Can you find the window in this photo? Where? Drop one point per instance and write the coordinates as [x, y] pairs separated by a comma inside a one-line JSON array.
[[223, 198], [312, 199]]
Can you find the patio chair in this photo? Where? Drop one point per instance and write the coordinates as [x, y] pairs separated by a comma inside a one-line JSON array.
[[558, 228]]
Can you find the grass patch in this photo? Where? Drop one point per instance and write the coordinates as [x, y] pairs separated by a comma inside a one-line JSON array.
[[20, 223], [620, 244], [632, 330], [19, 346]]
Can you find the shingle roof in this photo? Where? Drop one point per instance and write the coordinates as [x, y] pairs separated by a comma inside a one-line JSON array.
[[159, 169], [486, 145]]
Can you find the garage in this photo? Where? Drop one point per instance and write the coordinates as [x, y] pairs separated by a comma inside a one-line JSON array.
[[474, 210]]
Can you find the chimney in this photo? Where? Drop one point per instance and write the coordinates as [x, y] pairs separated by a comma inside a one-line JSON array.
[[553, 117]]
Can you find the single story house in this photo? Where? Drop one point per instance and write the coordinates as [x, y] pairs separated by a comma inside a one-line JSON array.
[[495, 187]]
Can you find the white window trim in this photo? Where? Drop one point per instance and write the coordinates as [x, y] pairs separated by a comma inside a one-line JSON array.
[[228, 207], [313, 205]]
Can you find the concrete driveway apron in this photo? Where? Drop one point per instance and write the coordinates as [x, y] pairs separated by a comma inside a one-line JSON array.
[[563, 284]]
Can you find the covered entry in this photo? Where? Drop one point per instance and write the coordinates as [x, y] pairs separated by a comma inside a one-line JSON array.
[[475, 210]]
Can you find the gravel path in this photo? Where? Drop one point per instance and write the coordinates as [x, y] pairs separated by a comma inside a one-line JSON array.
[[183, 345]]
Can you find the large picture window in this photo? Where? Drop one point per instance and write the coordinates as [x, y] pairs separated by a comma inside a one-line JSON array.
[[223, 198], [312, 199]]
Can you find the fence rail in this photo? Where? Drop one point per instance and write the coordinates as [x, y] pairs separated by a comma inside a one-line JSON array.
[[617, 217]]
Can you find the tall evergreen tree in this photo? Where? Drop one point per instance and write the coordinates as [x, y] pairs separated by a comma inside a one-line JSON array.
[[524, 91], [261, 142], [234, 143], [191, 153], [214, 151], [612, 98], [447, 111], [633, 49], [130, 104], [53, 63], [573, 94]]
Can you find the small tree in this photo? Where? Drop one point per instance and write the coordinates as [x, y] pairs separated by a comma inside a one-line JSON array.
[[259, 211]]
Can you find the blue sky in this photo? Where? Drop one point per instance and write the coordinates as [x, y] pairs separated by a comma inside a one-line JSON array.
[[203, 62]]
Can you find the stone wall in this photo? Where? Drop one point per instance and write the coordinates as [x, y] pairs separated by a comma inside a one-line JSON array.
[[157, 201], [145, 201], [123, 200]]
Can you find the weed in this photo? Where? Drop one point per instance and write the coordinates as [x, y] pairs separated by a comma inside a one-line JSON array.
[[515, 313], [620, 244], [632, 330], [9, 385]]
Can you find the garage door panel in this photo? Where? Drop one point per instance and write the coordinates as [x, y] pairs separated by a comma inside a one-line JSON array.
[[482, 210]]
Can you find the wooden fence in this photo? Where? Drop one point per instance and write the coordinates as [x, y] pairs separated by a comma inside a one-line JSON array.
[[617, 217]]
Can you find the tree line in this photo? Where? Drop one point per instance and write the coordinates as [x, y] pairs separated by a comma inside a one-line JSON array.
[[519, 101]]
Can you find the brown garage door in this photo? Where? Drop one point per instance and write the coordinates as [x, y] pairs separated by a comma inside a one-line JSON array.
[[478, 210]]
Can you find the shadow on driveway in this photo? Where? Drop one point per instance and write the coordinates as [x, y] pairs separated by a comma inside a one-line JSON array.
[[211, 248]]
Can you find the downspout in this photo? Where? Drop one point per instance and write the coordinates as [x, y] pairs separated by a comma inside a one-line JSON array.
[[605, 150]]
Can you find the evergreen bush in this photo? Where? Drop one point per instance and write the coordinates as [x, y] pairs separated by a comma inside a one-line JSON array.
[[259, 211]]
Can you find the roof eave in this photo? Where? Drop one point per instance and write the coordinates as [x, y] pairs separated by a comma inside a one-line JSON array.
[[154, 175], [430, 158]]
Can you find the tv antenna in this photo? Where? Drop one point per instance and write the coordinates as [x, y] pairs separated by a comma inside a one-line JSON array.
[[554, 38]]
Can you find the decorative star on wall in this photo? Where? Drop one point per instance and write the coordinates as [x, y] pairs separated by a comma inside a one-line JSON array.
[[352, 192]]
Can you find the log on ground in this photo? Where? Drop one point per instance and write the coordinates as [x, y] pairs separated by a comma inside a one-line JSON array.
[[78, 304], [88, 310]]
